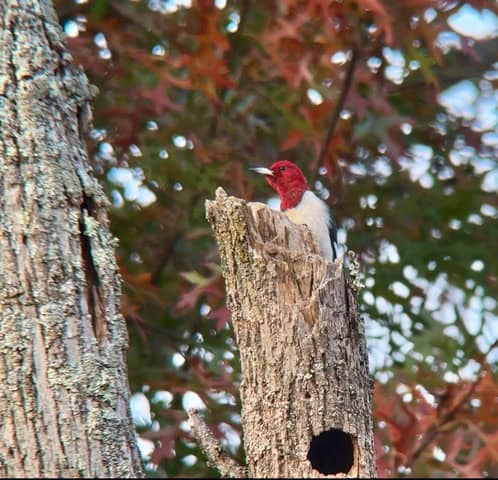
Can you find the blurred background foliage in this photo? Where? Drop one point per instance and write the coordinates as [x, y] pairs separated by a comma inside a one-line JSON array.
[[390, 108]]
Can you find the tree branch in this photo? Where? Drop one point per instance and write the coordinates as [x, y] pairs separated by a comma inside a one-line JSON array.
[[346, 87], [217, 458], [164, 257], [434, 430]]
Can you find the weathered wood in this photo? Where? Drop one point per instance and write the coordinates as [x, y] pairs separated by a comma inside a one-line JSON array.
[[302, 347], [64, 409]]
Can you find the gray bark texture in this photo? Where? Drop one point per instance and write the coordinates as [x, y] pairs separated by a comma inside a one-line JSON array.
[[306, 389], [64, 394]]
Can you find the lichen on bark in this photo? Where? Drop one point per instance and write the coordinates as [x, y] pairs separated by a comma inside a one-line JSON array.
[[63, 382]]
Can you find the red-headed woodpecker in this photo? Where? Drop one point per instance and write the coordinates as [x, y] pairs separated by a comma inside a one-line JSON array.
[[301, 205]]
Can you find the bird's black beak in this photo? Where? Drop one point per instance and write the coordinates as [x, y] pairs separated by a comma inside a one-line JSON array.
[[263, 171]]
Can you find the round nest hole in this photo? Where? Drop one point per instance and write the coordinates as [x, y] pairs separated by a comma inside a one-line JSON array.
[[331, 452]]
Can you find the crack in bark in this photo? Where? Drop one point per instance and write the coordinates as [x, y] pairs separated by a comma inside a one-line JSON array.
[[15, 84], [93, 285], [84, 117]]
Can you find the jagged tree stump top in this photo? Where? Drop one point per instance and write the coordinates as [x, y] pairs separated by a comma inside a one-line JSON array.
[[306, 391]]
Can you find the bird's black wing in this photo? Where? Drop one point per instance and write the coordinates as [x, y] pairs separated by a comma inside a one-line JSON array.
[[333, 236]]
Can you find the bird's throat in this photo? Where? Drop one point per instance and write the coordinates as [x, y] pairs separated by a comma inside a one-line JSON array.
[[290, 198]]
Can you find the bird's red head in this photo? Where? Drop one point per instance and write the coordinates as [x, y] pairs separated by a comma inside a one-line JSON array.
[[287, 180]]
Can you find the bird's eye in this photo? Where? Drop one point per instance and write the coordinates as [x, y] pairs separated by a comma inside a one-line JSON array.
[[281, 169]]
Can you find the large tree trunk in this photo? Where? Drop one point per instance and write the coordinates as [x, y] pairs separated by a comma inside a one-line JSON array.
[[306, 390], [64, 390]]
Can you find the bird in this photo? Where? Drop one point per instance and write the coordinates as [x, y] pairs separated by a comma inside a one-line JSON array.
[[301, 205]]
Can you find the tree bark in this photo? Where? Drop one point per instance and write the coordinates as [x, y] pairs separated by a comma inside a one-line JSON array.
[[64, 394], [306, 389]]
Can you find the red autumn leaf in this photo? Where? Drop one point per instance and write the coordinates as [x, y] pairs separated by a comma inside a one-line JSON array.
[[167, 447], [293, 138], [221, 315], [383, 468], [284, 29], [190, 298], [159, 98], [454, 446], [209, 33]]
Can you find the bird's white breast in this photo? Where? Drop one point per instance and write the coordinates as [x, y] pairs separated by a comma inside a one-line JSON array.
[[314, 213]]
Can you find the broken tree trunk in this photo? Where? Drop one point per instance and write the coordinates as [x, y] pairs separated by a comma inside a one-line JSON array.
[[306, 390]]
